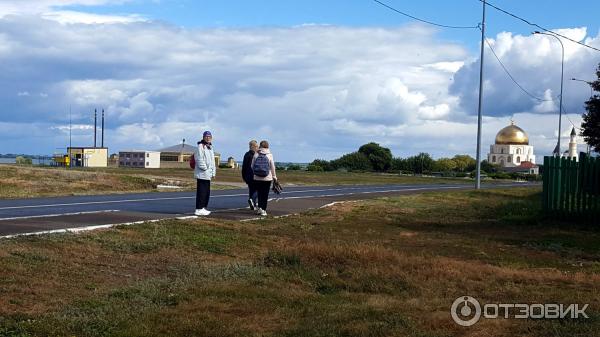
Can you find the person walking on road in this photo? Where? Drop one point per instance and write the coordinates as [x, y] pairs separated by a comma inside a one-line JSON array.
[[248, 174], [263, 167], [205, 169]]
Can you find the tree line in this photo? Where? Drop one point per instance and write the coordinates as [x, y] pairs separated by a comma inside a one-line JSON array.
[[373, 157]]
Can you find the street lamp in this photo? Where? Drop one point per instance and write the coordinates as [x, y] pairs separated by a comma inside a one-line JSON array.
[[588, 83], [562, 71], [591, 94]]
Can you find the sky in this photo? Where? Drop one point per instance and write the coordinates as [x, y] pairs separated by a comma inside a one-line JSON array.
[[315, 78]]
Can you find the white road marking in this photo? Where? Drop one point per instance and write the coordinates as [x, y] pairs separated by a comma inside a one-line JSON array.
[[160, 199], [79, 229], [95, 227], [57, 215]]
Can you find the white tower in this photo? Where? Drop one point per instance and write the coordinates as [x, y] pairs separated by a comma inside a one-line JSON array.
[[573, 144]]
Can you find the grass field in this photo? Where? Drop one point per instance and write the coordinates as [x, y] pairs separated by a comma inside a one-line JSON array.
[[28, 182], [384, 267]]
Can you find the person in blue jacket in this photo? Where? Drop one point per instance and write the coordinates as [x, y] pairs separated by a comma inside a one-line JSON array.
[[248, 174], [204, 171]]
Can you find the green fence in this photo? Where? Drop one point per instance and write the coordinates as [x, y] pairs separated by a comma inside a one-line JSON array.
[[572, 188]]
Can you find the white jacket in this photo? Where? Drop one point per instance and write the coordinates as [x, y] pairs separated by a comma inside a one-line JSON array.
[[205, 162], [272, 174]]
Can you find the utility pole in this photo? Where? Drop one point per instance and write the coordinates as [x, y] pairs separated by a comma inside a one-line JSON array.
[[102, 144], [70, 137], [95, 125], [562, 74], [478, 169], [70, 127]]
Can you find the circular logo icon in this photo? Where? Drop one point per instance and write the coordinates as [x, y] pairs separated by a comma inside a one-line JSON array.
[[465, 311]]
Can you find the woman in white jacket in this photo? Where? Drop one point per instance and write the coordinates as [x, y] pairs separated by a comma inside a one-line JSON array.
[[263, 166], [204, 171]]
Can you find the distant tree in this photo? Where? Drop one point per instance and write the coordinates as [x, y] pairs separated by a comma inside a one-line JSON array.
[[591, 119], [489, 167], [354, 161], [400, 164], [420, 163], [294, 167], [315, 168], [380, 157], [464, 163], [444, 165], [324, 164], [20, 160]]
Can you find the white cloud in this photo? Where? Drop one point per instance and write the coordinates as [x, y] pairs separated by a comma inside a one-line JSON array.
[[535, 63], [71, 17], [312, 90], [51, 9]]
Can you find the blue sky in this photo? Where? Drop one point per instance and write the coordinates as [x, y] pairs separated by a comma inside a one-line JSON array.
[[315, 78], [360, 13]]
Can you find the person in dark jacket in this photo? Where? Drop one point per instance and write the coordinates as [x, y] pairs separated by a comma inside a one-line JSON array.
[[248, 174]]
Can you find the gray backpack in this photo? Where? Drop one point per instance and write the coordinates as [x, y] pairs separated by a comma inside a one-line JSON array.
[[261, 165]]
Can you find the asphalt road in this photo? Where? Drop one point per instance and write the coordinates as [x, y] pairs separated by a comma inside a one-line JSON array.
[[59, 214]]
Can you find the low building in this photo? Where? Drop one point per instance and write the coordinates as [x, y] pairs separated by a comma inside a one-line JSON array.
[[88, 156], [180, 153], [177, 153], [231, 163], [526, 167], [139, 159]]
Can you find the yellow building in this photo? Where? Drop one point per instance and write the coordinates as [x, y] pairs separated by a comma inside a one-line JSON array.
[[88, 156]]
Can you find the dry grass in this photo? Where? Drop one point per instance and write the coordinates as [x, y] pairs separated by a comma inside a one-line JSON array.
[[29, 182], [386, 267]]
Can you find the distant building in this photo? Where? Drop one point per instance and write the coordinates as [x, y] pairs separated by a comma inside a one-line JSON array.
[[181, 153], [88, 156], [511, 148], [526, 167], [231, 163], [139, 159], [177, 153]]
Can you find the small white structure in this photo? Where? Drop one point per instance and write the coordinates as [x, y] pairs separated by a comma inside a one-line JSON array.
[[139, 159], [511, 148], [573, 145]]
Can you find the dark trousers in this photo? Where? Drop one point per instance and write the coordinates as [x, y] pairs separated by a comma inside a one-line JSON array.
[[263, 188], [252, 193], [202, 193]]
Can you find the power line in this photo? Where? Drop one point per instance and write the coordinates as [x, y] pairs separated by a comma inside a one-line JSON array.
[[422, 20], [512, 78], [538, 26]]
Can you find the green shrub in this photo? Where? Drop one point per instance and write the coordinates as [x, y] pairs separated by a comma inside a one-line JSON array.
[[315, 168], [20, 160]]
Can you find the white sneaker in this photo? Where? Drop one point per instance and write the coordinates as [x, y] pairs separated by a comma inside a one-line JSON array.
[[263, 212], [258, 210], [202, 212]]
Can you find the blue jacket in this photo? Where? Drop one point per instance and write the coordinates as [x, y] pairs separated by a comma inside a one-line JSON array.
[[205, 162]]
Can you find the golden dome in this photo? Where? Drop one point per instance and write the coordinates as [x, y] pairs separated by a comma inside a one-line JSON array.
[[512, 135]]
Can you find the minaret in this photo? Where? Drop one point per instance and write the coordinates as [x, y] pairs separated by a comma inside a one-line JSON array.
[[573, 144]]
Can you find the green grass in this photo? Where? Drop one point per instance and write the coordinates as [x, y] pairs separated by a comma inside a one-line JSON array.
[[384, 267]]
